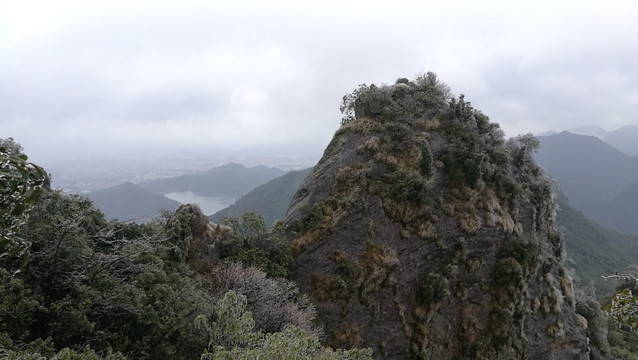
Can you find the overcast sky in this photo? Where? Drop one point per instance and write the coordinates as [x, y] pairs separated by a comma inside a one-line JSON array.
[[113, 78]]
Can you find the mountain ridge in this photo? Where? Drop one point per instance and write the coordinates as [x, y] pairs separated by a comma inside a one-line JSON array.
[[593, 175], [271, 199], [128, 201], [231, 179]]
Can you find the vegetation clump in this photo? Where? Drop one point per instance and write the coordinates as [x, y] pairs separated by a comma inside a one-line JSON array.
[[434, 289], [254, 244]]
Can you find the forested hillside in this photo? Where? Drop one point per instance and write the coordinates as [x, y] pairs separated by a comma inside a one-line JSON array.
[[595, 250], [598, 179], [270, 200], [75, 286]]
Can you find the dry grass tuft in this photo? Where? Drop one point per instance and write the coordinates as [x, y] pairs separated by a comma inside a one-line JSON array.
[[376, 264], [345, 336], [427, 231], [330, 287], [360, 126], [469, 223]]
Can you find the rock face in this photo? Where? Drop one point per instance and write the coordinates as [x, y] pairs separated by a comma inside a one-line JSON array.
[[422, 234]]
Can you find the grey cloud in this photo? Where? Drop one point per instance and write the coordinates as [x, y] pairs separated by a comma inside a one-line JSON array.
[[235, 76]]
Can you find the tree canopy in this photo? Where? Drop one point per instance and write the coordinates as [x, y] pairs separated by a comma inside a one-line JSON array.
[[20, 186]]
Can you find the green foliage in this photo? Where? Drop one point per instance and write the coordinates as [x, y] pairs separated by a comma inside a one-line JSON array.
[[44, 349], [624, 310], [88, 283], [311, 217], [347, 269], [270, 199], [257, 245], [507, 271], [474, 146], [18, 306], [20, 187], [94, 289], [232, 324], [597, 324], [524, 250], [426, 164], [407, 186], [623, 342], [595, 250], [434, 289], [232, 336], [185, 228], [403, 100]]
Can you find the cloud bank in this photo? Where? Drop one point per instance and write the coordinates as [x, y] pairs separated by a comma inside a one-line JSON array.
[[118, 78]]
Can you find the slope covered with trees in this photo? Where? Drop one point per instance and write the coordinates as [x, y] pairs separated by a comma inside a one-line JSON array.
[[595, 250], [270, 199], [598, 179], [94, 289]]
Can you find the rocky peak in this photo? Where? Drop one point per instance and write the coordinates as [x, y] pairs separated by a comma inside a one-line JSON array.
[[423, 234]]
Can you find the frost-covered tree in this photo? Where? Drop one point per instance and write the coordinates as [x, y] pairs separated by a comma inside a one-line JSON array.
[[20, 186], [232, 335]]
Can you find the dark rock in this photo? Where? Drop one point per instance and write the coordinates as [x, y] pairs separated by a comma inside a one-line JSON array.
[[443, 264]]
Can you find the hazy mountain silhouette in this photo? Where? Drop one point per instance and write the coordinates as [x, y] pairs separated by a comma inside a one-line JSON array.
[[229, 180], [598, 179], [131, 202], [624, 139], [270, 199], [591, 130]]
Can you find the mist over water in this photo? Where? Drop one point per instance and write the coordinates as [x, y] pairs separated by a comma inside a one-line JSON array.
[[208, 204]]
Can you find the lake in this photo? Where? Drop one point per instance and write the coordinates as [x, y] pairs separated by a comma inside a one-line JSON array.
[[208, 204]]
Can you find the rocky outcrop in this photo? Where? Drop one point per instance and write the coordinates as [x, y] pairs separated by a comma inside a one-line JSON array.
[[422, 234]]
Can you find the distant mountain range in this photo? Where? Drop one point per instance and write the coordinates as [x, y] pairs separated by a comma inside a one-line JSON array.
[[598, 179], [270, 199], [624, 139], [228, 180], [141, 202], [131, 202]]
